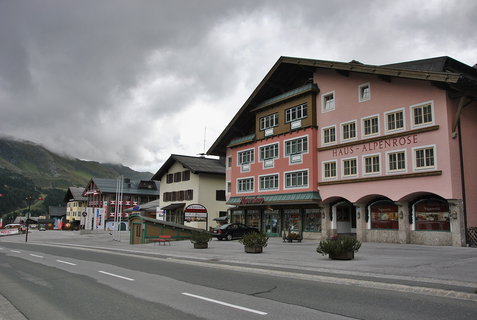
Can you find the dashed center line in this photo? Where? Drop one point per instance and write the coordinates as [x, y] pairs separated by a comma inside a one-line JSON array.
[[35, 255], [225, 304], [66, 262], [115, 275]]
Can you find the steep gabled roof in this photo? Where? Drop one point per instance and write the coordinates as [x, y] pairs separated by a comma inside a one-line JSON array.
[[129, 186], [196, 165], [289, 73], [74, 194]]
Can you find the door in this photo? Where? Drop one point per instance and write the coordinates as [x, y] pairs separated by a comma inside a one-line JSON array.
[[137, 233], [271, 223], [345, 218]]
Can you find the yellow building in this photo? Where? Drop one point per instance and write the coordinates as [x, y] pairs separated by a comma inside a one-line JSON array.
[[75, 205]]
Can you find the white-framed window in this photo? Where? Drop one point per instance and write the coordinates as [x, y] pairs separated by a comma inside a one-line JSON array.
[[229, 162], [424, 157], [329, 169], [422, 114], [348, 131], [245, 157], [269, 182], [372, 164], [269, 121], [349, 167], [370, 126], [364, 92], [296, 146], [245, 185], [296, 113], [395, 120], [396, 161], [328, 101], [269, 151], [329, 135], [296, 179], [229, 187]]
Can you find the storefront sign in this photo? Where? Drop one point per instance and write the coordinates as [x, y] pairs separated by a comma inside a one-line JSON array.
[[376, 145], [255, 200], [195, 212]]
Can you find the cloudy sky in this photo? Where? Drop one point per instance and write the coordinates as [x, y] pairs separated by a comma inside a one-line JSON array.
[[132, 81]]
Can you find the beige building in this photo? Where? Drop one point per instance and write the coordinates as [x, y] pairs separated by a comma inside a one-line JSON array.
[[192, 191], [76, 204]]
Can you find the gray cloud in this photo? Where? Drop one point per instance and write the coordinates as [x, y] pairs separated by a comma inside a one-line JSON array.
[[133, 81]]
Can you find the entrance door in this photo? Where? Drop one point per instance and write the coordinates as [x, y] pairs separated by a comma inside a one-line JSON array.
[[345, 218], [137, 233], [271, 223]]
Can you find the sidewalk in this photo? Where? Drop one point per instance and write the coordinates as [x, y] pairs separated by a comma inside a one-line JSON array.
[[441, 265]]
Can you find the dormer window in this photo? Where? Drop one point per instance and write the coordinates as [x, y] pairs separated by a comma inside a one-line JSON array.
[[364, 92], [328, 101]]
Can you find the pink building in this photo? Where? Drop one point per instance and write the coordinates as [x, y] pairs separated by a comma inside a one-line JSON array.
[[385, 153]]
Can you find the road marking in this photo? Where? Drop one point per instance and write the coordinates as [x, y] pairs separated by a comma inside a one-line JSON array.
[[35, 255], [225, 304], [115, 275], [16, 251], [66, 262]]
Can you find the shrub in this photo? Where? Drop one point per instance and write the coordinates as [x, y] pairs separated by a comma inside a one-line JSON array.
[[338, 245], [200, 237], [254, 239]]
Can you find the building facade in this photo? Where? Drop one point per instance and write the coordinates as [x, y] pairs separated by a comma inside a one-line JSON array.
[[103, 204], [384, 153], [192, 190], [76, 204]]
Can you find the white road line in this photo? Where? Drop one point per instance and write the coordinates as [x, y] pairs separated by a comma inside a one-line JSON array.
[[16, 251], [35, 255], [225, 304], [115, 275], [66, 262]]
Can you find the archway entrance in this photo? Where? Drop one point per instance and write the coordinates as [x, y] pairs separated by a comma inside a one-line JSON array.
[[344, 213]]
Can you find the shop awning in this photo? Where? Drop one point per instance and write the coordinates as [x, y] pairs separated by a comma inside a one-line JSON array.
[[173, 206], [283, 198]]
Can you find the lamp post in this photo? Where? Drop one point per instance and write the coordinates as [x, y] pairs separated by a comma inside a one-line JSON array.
[[28, 199]]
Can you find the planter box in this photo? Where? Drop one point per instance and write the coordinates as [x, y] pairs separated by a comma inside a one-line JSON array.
[[256, 249], [201, 245], [344, 256]]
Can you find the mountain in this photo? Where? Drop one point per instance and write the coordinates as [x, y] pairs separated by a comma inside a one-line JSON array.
[[27, 168]]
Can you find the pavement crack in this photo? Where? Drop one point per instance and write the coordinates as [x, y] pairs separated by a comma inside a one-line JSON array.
[[263, 292]]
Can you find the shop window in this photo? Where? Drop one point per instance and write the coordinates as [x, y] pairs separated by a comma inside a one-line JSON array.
[[384, 215], [432, 215], [253, 218], [237, 216], [312, 220], [292, 220]]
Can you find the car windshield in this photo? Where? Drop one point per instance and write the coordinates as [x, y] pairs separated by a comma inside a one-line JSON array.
[[225, 226]]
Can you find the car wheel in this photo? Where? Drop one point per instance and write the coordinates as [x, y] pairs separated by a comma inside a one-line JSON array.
[[229, 237]]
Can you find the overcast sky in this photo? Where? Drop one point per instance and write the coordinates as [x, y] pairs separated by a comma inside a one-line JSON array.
[[134, 81]]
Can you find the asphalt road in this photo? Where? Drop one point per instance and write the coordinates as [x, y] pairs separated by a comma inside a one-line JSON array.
[[53, 282]]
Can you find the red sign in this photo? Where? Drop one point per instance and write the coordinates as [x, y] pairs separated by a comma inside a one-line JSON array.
[[255, 200]]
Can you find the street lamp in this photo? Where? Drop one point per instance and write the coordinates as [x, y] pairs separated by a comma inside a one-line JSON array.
[[29, 200]]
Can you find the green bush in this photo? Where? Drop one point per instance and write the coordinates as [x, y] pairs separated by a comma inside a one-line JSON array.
[[200, 237], [254, 239], [338, 246]]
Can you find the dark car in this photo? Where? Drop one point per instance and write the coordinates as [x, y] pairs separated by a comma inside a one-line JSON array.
[[232, 231]]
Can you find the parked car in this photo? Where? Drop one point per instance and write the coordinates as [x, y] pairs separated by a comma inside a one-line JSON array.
[[232, 231]]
